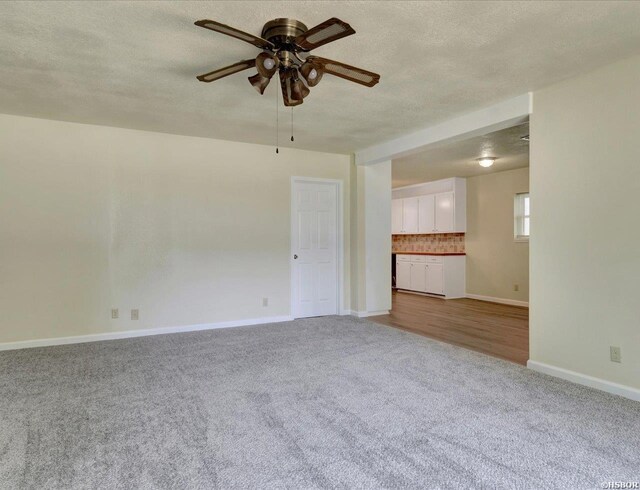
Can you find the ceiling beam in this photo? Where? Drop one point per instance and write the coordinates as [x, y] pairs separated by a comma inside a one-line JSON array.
[[494, 118]]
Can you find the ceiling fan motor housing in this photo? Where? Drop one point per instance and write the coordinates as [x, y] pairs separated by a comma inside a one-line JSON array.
[[282, 32]]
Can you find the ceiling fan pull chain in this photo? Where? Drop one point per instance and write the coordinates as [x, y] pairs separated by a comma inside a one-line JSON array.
[[292, 124], [277, 121]]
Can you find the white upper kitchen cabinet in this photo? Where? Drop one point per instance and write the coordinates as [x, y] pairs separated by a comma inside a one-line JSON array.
[[433, 207], [410, 215], [404, 216], [396, 216], [436, 213], [427, 214], [444, 215]]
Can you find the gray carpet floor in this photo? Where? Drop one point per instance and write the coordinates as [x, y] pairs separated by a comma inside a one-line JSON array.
[[331, 402]]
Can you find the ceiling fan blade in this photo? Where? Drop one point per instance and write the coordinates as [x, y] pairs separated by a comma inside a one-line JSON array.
[[286, 82], [330, 30], [226, 71], [231, 31], [348, 72]]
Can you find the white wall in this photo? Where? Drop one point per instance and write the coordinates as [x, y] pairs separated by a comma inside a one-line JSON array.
[[188, 230], [495, 262], [358, 285], [371, 238], [585, 259], [377, 201]]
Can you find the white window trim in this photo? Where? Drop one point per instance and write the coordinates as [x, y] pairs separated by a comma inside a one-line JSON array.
[[518, 216]]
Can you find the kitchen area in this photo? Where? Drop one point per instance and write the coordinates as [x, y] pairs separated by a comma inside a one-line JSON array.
[[428, 238], [460, 243]]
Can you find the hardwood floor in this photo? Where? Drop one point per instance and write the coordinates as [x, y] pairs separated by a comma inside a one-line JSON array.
[[494, 329]]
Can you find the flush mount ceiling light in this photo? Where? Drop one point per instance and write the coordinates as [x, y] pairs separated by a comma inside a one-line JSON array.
[[285, 44], [486, 161]]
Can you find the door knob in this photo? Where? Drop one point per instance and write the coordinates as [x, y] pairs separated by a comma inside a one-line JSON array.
[[295, 256]]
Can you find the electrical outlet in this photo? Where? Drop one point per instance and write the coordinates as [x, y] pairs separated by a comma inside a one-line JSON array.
[[616, 355], [114, 313], [134, 314], [516, 287], [265, 301]]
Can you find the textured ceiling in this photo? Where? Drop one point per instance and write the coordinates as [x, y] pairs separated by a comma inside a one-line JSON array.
[[458, 159], [133, 64]]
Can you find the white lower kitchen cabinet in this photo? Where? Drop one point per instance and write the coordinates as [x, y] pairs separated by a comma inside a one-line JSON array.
[[417, 275], [443, 275], [403, 275], [435, 279]]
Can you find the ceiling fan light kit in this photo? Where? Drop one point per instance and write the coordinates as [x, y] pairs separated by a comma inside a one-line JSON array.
[[311, 73], [259, 82], [285, 44], [267, 64]]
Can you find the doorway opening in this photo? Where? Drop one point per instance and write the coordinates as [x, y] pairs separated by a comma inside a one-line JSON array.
[[460, 243]]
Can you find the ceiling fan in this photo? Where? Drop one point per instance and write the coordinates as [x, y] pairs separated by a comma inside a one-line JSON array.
[[284, 44]]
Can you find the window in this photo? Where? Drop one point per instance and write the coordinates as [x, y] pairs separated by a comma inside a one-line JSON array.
[[522, 219]]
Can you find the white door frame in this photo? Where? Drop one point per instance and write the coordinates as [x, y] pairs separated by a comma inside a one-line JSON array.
[[340, 238]]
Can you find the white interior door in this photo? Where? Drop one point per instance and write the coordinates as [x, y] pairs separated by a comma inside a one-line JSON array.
[[314, 249]]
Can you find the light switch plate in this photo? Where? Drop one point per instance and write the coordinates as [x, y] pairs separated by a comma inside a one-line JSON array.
[[134, 314]]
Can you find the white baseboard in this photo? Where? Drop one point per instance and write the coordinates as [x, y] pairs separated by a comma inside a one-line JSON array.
[[364, 314], [125, 334], [583, 379], [420, 293], [503, 301]]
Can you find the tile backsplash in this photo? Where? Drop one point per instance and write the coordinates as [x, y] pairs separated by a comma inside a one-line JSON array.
[[440, 243]]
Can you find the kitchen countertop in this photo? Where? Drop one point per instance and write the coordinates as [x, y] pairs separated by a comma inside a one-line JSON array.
[[427, 253]]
